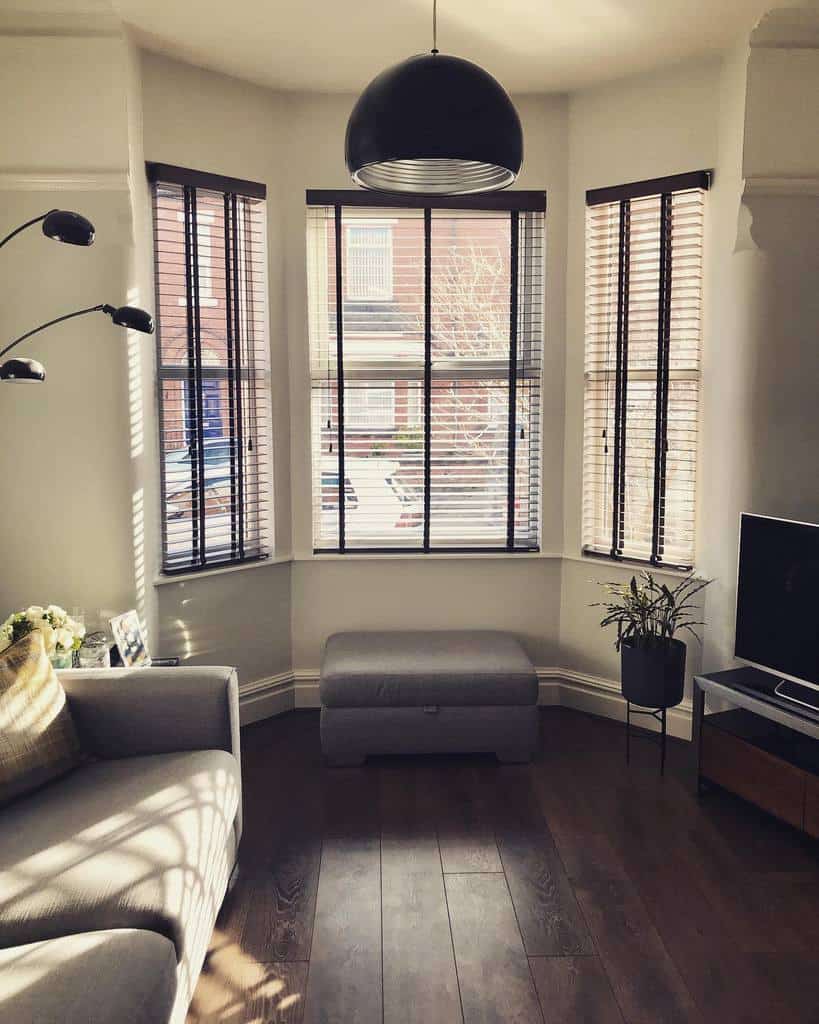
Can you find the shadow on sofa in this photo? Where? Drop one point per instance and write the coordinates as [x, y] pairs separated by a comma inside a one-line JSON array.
[[137, 845]]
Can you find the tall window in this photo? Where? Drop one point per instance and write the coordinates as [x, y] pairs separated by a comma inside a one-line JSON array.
[[426, 404], [213, 368], [369, 262], [642, 373]]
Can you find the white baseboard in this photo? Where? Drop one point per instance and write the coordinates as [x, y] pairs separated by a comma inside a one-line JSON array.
[[265, 698], [557, 686], [600, 696]]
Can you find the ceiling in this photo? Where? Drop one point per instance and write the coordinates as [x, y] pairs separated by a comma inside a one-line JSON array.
[[530, 45]]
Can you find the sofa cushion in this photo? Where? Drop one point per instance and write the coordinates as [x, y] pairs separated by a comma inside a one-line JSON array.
[[37, 738], [143, 842], [448, 668], [122, 976]]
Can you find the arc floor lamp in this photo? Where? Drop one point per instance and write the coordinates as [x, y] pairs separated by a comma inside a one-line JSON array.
[[74, 229]]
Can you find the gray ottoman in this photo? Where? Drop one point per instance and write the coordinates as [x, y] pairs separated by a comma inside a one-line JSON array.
[[431, 692]]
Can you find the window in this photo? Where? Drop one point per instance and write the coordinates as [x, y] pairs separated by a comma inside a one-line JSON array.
[[204, 225], [371, 408], [642, 369], [369, 262], [212, 368], [426, 407]]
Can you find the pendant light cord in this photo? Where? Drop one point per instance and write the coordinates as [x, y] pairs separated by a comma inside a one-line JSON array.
[[434, 26]]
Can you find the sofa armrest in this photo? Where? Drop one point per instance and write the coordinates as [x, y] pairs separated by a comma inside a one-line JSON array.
[[131, 712]]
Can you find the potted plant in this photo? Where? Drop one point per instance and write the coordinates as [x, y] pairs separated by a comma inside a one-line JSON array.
[[648, 615]]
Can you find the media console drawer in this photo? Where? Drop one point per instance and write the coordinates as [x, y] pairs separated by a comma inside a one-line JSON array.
[[757, 776]]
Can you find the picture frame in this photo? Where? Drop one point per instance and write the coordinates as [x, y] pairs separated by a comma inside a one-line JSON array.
[[129, 639]]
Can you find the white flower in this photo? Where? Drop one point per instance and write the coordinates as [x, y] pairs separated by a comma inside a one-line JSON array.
[[35, 613], [57, 616], [49, 637], [64, 638], [76, 628]]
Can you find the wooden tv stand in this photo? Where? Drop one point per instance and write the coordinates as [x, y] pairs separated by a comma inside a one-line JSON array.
[[765, 749]]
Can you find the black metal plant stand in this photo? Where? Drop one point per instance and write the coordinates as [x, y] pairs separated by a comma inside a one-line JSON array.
[[659, 715]]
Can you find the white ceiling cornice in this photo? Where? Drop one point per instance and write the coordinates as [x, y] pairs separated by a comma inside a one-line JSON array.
[[531, 46]]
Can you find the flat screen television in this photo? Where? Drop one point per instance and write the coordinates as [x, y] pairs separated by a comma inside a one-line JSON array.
[[778, 597]]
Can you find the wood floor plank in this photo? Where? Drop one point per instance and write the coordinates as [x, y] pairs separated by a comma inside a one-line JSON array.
[[344, 981], [493, 971], [280, 899], [694, 933], [549, 917], [648, 987], [574, 990], [795, 980], [234, 989], [420, 982], [646, 982], [464, 815]]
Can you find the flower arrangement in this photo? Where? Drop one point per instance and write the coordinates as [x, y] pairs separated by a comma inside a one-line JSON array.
[[62, 635]]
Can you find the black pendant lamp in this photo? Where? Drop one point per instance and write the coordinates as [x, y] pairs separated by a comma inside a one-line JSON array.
[[434, 125]]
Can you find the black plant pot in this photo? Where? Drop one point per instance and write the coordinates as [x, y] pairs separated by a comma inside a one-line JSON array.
[[653, 676]]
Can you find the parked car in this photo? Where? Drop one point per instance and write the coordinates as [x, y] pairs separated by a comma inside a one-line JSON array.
[[376, 502], [216, 451], [218, 521]]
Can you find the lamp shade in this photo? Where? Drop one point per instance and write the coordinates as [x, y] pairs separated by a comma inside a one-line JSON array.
[[22, 370], [65, 226], [435, 125], [134, 318]]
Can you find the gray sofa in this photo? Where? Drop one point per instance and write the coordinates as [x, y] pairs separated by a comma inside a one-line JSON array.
[[111, 877]]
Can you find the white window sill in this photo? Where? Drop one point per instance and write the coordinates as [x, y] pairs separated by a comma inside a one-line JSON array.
[[185, 577], [430, 556], [421, 556], [630, 564]]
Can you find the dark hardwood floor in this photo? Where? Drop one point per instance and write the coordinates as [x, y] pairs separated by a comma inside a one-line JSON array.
[[455, 890]]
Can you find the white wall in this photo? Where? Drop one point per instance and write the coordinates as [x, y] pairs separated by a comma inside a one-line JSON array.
[[514, 592], [66, 515], [645, 127], [760, 416], [199, 119]]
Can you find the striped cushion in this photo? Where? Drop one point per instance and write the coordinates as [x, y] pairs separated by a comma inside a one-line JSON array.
[[37, 737]]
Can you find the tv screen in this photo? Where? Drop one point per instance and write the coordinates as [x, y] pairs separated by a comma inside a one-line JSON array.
[[778, 596]]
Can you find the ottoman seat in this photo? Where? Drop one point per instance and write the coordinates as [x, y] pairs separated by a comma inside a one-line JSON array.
[[442, 691], [450, 668]]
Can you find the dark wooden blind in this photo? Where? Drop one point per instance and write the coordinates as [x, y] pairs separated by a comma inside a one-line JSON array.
[[212, 368], [642, 368], [426, 326]]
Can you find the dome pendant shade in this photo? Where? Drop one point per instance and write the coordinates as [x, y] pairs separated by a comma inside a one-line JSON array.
[[22, 370], [66, 226], [434, 125]]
